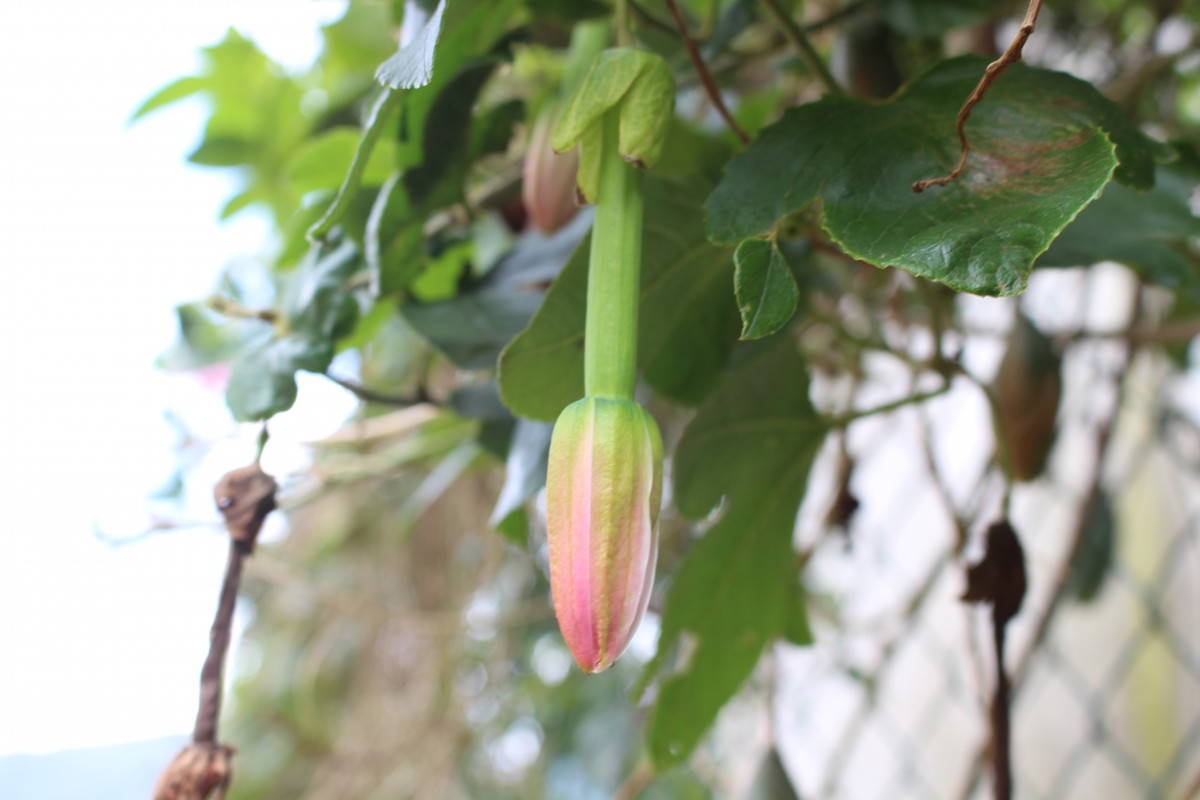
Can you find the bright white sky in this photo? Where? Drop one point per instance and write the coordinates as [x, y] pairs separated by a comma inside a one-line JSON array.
[[105, 229]]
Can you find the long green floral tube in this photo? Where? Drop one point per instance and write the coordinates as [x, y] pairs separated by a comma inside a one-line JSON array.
[[604, 480]]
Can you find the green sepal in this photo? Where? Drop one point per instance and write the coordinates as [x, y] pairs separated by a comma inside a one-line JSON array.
[[641, 85]]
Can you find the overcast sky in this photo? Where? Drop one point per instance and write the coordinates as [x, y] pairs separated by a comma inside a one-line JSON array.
[[105, 229]]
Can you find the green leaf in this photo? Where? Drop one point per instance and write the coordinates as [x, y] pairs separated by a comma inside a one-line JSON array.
[[393, 240], [173, 92], [223, 151], [1148, 232], [1044, 144], [316, 311], [933, 17], [687, 322], [322, 162], [766, 291], [472, 329], [752, 444], [437, 180], [262, 382], [412, 64], [1092, 563]]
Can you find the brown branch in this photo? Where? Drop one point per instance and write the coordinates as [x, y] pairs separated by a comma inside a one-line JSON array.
[[706, 78], [993, 71], [231, 308], [373, 396], [205, 767], [209, 713]]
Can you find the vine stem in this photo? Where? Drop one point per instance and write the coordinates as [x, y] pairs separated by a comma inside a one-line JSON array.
[[1010, 56], [614, 267], [799, 39], [205, 731], [706, 78]]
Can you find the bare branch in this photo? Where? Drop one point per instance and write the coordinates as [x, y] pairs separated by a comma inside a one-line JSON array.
[[706, 78]]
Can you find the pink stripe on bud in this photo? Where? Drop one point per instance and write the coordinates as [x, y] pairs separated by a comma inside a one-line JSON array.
[[603, 490]]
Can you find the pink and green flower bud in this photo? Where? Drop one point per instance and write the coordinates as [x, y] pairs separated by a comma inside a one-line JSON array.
[[603, 490], [548, 183]]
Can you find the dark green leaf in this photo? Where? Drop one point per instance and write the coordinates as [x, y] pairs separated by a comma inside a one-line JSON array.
[[437, 180], [766, 291], [934, 17], [472, 329], [1092, 563], [687, 321], [1039, 155], [1148, 232], [262, 382], [752, 444], [317, 302]]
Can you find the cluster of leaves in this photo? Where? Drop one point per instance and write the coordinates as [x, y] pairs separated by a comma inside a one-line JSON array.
[[393, 180]]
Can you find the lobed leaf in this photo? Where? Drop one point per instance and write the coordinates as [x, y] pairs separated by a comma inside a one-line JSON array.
[[1043, 145]]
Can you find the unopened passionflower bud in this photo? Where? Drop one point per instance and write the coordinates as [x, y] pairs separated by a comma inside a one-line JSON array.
[[603, 490], [548, 184]]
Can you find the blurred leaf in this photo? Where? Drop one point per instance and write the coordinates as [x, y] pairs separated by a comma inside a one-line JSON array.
[[322, 162], [524, 469], [771, 782], [472, 329], [173, 92], [437, 180], [1038, 157], [1148, 232], [766, 291], [262, 382], [934, 17], [412, 64], [752, 444], [1093, 561], [204, 338], [687, 323], [316, 311]]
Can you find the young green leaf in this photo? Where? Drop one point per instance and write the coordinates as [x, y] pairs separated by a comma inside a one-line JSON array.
[[412, 64], [766, 291]]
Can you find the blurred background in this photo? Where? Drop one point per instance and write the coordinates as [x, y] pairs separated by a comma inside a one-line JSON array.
[[396, 644]]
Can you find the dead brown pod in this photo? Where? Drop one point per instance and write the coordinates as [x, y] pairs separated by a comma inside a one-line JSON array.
[[1026, 395]]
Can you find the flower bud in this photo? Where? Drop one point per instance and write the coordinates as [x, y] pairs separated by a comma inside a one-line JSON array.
[[548, 184], [603, 490]]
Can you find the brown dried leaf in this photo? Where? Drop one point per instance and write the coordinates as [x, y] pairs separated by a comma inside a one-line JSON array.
[[999, 578], [196, 772]]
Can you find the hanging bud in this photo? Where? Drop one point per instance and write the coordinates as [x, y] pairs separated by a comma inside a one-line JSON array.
[[1027, 391], [548, 185], [603, 490]]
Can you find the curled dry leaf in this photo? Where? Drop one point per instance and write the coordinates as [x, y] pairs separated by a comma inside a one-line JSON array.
[[1027, 391], [999, 578], [198, 772], [245, 496]]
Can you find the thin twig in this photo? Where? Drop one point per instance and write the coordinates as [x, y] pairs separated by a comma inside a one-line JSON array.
[[706, 78], [231, 308], [993, 71], [382, 398], [799, 39], [894, 405]]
